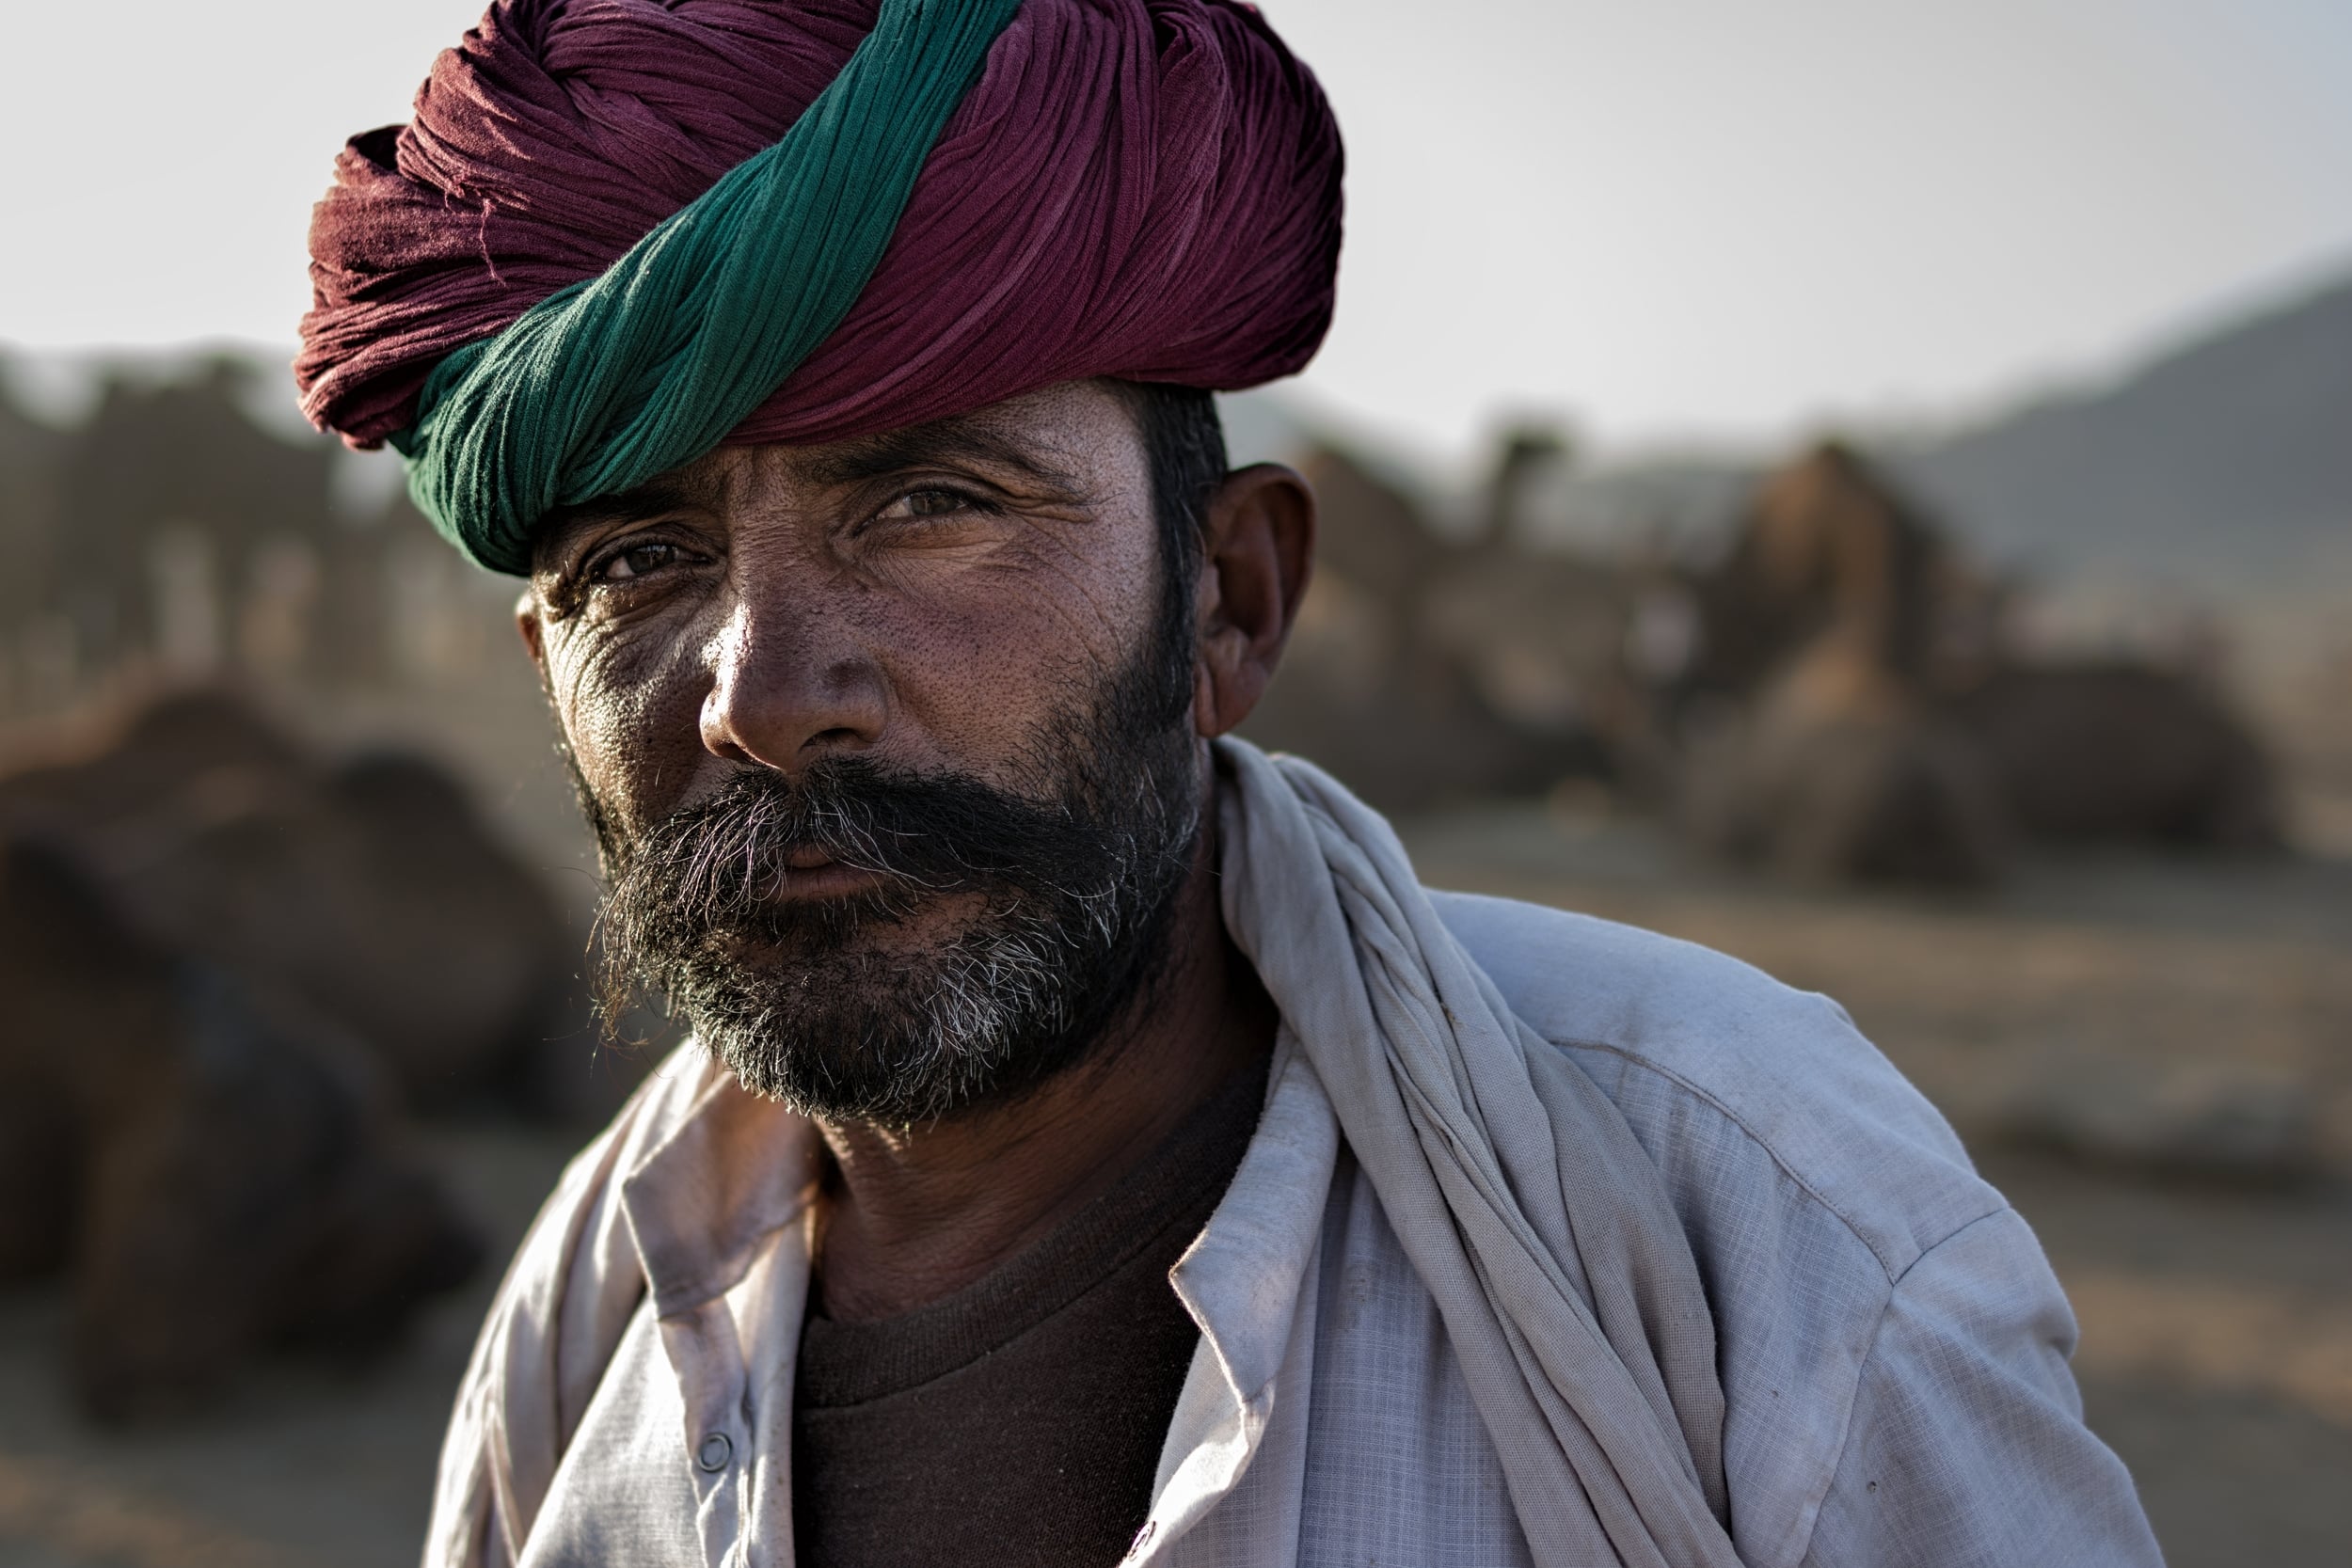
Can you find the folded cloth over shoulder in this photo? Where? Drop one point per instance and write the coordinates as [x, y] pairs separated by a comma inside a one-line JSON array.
[[1537, 1223]]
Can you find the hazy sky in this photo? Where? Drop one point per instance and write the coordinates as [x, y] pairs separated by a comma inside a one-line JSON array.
[[1676, 218]]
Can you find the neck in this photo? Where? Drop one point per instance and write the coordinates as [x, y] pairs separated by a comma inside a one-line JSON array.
[[916, 1214]]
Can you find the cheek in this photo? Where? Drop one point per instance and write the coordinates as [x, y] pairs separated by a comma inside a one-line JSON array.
[[980, 662], [629, 699]]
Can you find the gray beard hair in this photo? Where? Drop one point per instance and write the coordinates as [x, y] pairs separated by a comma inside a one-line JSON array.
[[1076, 884], [905, 1038]]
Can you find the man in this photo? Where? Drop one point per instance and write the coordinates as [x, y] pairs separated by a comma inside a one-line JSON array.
[[1094, 1142]]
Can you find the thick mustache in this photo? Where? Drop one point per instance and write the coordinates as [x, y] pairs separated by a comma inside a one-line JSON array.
[[929, 832]]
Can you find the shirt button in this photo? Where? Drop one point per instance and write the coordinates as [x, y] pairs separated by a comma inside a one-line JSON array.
[[717, 1449]]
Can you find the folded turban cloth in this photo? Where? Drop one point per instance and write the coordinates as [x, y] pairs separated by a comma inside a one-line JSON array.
[[619, 231]]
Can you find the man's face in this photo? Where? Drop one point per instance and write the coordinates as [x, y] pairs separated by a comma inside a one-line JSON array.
[[888, 746]]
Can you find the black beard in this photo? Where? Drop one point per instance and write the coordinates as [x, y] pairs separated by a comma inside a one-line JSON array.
[[833, 1006]]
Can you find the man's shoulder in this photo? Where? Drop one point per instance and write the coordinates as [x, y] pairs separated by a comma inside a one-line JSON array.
[[1730, 1079]]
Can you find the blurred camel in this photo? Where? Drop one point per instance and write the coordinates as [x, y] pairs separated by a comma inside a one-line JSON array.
[[369, 890], [1829, 549], [1853, 713], [215, 1164], [2111, 751], [1377, 685], [1826, 755], [1838, 771]]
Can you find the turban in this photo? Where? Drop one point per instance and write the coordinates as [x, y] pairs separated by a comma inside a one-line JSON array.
[[617, 232]]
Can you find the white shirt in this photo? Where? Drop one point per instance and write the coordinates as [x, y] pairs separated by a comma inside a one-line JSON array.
[[1892, 1346]]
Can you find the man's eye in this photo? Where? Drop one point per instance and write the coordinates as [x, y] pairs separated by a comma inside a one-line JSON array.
[[928, 503], [637, 561]]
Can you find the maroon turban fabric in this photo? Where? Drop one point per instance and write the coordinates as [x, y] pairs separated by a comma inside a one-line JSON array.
[[1147, 189]]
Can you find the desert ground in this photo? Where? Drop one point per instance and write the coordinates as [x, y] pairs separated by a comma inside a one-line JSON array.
[[2151, 1057]]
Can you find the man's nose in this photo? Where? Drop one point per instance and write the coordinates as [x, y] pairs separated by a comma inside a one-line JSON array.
[[788, 687]]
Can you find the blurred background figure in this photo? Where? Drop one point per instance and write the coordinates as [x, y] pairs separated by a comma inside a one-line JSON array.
[[1871, 494]]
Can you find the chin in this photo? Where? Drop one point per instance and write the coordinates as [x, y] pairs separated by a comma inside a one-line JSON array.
[[936, 1015], [899, 1025]]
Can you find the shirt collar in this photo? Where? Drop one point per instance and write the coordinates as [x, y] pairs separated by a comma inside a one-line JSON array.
[[706, 1201], [701, 1201]]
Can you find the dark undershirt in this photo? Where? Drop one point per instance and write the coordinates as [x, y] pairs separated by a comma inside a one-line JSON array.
[[1020, 1419]]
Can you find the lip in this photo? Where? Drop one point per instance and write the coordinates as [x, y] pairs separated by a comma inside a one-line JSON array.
[[810, 876]]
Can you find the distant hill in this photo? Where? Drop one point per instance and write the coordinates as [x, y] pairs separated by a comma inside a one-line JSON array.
[[2227, 463]]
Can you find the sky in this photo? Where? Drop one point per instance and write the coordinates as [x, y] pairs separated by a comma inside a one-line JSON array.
[[1666, 222]]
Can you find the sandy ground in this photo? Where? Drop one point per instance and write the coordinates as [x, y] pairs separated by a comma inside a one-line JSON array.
[[2153, 1059]]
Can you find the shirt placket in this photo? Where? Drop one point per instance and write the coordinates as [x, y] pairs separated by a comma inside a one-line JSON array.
[[705, 1353], [1251, 1283], [733, 1355], [720, 1216]]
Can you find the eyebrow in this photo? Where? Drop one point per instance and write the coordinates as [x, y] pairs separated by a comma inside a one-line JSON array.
[[663, 493], [870, 457]]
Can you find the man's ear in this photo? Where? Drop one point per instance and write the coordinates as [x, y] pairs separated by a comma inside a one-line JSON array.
[[1258, 548], [535, 632]]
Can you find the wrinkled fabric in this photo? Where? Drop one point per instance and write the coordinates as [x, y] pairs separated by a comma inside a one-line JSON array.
[[603, 385], [1139, 188], [1531, 1213]]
